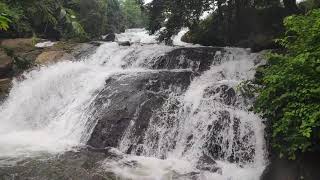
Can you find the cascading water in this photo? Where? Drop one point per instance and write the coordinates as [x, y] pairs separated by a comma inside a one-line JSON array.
[[208, 122], [200, 132], [49, 109]]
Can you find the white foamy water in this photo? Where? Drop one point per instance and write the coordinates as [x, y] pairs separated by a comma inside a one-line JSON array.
[[51, 111], [137, 36], [48, 106], [209, 123], [176, 40]]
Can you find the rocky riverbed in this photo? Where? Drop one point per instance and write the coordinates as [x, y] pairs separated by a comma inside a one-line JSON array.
[[22, 54]]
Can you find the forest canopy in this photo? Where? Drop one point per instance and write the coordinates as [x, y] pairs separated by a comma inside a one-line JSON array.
[[79, 19], [227, 18]]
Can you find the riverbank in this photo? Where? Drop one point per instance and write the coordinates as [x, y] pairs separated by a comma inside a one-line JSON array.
[[22, 54]]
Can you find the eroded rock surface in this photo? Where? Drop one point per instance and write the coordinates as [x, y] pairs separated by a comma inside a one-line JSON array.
[[198, 59], [131, 99], [81, 165]]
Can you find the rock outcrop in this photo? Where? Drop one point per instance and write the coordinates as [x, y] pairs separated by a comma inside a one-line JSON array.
[[136, 97], [109, 37], [81, 165], [18, 55], [49, 57], [6, 65], [197, 59]]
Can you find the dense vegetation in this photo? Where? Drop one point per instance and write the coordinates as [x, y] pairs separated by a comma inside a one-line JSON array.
[[226, 17], [290, 82], [243, 23], [68, 19], [290, 96]]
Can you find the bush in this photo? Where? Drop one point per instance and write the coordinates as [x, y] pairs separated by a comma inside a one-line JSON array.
[[290, 95]]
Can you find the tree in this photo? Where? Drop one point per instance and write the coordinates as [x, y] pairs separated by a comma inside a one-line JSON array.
[[174, 14], [171, 15], [290, 95], [291, 5], [55, 19]]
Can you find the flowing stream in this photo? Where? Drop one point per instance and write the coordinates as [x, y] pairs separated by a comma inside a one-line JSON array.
[[204, 131]]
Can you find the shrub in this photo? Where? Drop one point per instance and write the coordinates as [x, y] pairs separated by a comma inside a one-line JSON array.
[[290, 93]]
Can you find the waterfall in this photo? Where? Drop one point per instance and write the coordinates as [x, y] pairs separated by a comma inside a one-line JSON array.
[[203, 131], [50, 108], [211, 120]]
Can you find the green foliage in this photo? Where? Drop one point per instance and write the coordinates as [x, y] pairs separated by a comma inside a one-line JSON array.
[[4, 23], [133, 14], [171, 15], [115, 18], [92, 16], [290, 97], [5, 16], [309, 5], [75, 19], [175, 14]]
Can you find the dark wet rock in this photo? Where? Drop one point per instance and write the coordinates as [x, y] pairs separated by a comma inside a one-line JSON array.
[[226, 94], [18, 44], [109, 37], [124, 43], [198, 59], [189, 176], [50, 57], [5, 85], [206, 163], [129, 100], [81, 165], [84, 50], [304, 167], [96, 43], [6, 64], [242, 150]]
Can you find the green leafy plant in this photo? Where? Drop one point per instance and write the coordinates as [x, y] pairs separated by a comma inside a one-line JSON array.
[[290, 93], [4, 17], [4, 23]]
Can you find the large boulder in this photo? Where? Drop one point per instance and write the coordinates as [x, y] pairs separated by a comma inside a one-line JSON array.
[[81, 165], [199, 59], [109, 37], [132, 99], [18, 44], [84, 50], [50, 57], [124, 43]]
